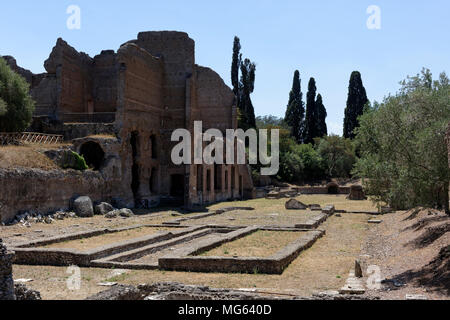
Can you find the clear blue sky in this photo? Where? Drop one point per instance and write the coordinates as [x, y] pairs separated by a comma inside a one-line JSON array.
[[323, 39]]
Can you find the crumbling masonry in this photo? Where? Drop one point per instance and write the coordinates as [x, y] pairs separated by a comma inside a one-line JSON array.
[[6, 279], [139, 94]]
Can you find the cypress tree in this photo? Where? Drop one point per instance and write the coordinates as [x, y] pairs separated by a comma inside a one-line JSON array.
[[357, 100], [248, 70], [321, 117], [311, 114], [295, 112], [244, 86], [236, 64]]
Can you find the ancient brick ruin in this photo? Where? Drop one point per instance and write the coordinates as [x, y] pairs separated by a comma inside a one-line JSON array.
[[138, 95]]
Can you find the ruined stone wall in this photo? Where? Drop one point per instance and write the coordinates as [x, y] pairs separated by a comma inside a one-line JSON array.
[[214, 100], [42, 87], [140, 109], [26, 74], [6, 278], [105, 82], [151, 86], [45, 96], [74, 81], [30, 189], [177, 51]]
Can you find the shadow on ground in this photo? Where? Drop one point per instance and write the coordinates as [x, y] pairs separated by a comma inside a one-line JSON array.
[[434, 276]]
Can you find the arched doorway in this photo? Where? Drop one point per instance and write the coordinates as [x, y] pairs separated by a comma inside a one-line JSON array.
[[177, 186], [134, 141], [93, 154], [333, 188]]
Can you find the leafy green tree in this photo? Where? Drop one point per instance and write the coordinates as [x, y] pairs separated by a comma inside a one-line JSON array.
[[357, 100], [295, 112], [338, 155], [311, 113], [291, 167], [321, 117], [402, 145], [16, 104], [264, 122], [298, 162], [312, 162]]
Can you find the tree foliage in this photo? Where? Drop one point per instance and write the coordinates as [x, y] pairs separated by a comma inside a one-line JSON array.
[[402, 145], [357, 100], [321, 117], [266, 122], [237, 58], [248, 70], [243, 86], [295, 112], [311, 114], [338, 155], [16, 104], [299, 162]]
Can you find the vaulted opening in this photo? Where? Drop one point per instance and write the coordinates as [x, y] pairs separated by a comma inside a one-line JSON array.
[[154, 145], [93, 154], [333, 189], [177, 185], [134, 141], [154, 187]]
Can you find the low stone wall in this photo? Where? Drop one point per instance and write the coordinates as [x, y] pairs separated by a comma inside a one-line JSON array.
[[322, 190], [6, 278], [43, 191], [275, 264], [79, 130], [32, 253]]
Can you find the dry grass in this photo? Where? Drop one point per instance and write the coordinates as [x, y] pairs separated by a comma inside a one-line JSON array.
[[103, 136], [258, 244], [408, 247], [257, 217], [325, 266], [27, 156], [18, 234], [277, 205], [105, 239]]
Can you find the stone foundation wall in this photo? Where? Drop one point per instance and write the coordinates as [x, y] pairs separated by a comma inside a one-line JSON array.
[[322, 190], [6, 278], [43, 191]]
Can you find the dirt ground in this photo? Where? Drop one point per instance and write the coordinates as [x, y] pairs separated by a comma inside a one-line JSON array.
[[397, 245], [407, 247]]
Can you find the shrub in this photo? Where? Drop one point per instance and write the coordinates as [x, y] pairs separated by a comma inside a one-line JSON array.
[[73, 160], [338, 156], [404, 158], [16, 105]]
